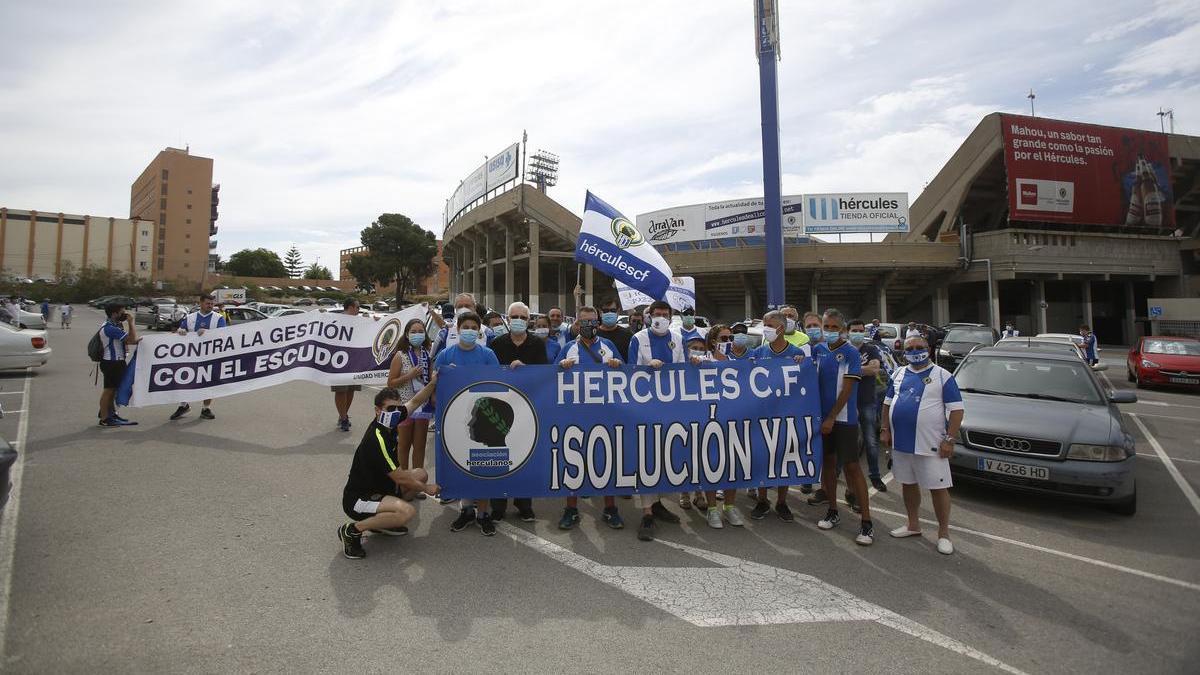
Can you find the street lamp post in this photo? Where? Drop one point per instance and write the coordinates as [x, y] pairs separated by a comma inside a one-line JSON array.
[[766, 24]]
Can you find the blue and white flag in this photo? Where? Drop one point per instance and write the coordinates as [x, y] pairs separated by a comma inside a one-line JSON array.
[[680, 295], [611, 243]]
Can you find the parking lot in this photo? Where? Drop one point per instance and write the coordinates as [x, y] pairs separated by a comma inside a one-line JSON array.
[[210, 546]]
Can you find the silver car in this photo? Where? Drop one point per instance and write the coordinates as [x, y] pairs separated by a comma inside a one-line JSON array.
[[1038, 420]]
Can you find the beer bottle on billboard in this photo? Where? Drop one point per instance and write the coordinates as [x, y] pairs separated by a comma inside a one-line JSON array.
[[1152, 197], [1135, 213]]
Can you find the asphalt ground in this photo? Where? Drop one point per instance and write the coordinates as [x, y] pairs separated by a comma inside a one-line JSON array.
[[209, 546]]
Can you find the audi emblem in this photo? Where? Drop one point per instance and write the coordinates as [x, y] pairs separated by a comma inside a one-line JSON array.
[[1012, 444]]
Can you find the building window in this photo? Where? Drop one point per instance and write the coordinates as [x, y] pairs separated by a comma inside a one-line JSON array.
[[163, 191], [189, 191], [189, 221], [189, 207], [145, 233], [162, 249], [162, 219], [187, 250], [162, 204], [164, 174], [186, 265], [142, 264], [187, 235]]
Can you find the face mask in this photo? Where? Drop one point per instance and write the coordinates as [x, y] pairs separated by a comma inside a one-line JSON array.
[[416, 339], [468, 336], [564, 327], [770, 334], [499, 330], [459, 311], [917, 356], [587, 329], [698, 354], [609, 319], [1007, 327], [832, 335], [741, 339], [790, 326], [856, 338], [813, 334], [660, 325], [542, 332], [688, 321], [518, 325], [391, 419]]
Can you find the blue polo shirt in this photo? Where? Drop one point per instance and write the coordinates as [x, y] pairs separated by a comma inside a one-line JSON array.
[[455, 354], [791, 351], [833, 366]]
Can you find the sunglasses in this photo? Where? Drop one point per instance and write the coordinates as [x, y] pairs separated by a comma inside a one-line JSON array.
[[725, 338], [392, 408]]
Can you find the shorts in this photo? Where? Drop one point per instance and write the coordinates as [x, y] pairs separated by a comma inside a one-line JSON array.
[[346, 387], [841, 443], [927, 471], [113, 372], [361, 507]]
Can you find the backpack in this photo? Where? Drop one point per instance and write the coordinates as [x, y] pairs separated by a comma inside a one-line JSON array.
[[95, 348]]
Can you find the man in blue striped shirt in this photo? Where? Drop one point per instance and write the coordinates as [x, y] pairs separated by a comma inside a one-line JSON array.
[[199, 322], [116, 334]]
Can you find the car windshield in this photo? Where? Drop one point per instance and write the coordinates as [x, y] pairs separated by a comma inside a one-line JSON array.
[[980, 335], [1027, 378], [885, 333], [1171, 347]]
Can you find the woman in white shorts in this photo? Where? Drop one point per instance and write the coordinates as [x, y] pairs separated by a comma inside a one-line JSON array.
[[921, 415]]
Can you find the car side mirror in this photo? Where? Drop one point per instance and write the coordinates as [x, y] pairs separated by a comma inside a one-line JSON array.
[[1122, 396]]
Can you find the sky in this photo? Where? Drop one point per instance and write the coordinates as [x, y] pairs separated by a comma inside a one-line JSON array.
[[321, 115]]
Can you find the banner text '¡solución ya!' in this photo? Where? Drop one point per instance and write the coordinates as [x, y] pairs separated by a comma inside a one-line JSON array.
[[708, 383]]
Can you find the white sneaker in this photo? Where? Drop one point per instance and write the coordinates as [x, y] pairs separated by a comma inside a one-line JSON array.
[[734, 516], [714, 518], [721, 495], [945, 547], [903, 531]]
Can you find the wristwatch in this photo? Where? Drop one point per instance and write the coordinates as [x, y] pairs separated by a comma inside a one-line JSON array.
[[947, 439]]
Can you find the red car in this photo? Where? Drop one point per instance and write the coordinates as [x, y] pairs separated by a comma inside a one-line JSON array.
[[1164, 360]]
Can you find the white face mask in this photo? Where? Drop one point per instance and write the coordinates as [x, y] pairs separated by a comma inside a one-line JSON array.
[[461, 310], [790, 327], [660, 325], [769, 334], [698, 354], [541, 332]]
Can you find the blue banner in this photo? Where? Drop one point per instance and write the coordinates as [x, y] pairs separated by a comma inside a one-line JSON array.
[[541, 431]]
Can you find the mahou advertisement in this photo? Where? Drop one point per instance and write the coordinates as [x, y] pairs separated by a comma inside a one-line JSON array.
[[1087, 174]]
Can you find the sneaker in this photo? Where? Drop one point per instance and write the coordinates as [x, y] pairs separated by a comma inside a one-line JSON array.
[[207, 414], [830, 521], [714, 518], [109, 422], [818, 498], [659, 511], [351, 540], [392, 531], [570, 518], [701, 501], [878, 484], [806, 489], [499, 514], [944, 546], [646, 529], [761, 509], [181, 411], [465, 517], [734, 516], [342, 425], [613, 518], [119, 418], [526, 515], [866, 534], [784, 513], [447, 500], [487, 527], [685, 501]]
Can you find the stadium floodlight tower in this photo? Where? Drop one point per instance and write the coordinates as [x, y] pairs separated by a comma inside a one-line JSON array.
[[766, 33], [543, 169]]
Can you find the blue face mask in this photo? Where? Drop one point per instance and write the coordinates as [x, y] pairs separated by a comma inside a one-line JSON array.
[[518, 325], [392, 419], [609, 319], [688, 321], [857, 338], [416, 339], [468, 336], [813, 334], [741, 339], [832, 335], [499, 329], [917, 356]]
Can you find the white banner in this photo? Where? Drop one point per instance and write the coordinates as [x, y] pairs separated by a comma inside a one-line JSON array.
[[320, 347], [496, 171], [680, 294], [502, 168], [847, 212], [718, 220]]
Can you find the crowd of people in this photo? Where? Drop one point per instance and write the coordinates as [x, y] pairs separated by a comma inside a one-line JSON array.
[[916, 410]]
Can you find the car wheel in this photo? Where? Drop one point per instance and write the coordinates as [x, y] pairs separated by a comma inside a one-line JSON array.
[[1138, 382], [1127, 506], [22, 326], [1129, 374]]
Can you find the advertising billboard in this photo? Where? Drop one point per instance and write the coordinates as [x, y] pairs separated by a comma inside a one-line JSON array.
[[848, 212], [717, 220], [496, 171], [1086, 174]]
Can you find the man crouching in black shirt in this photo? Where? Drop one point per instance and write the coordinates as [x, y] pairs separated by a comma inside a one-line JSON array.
[[373, 497]]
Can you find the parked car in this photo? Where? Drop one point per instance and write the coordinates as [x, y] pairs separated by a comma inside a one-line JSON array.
[[271, 309], [22, 348], [164, 316], [23, 318], [327, 302], [238, 315], [304, 302], [1061, 346], [1163, 360], [381, 306], [1039, 420], [289, 312], [960, 341]]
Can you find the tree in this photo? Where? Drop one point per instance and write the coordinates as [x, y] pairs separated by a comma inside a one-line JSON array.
[[259, 262], [316, 271], [367, 272], [293, 262], [398, 250]]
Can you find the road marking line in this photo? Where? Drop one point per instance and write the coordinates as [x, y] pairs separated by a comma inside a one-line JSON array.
[[746, 594], [1174, 459], [12, 412], [1171, 468], [1042, 549], [8, 522], [887, 478], [12, 393], [1168, 417]]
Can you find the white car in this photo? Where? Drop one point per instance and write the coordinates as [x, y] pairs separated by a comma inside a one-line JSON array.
[[288, 312], [24, 318], [22, 348]]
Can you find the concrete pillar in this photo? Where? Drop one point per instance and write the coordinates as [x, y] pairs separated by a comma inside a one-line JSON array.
[[535, 261], [562, 287], [1088, 318], [994, 310], [882, 301], [589, 288], [474, 286], [941, 305], [812, 299], [489, 289], [1039, 301], [510, 295], [749, 300], [1130, 312]]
